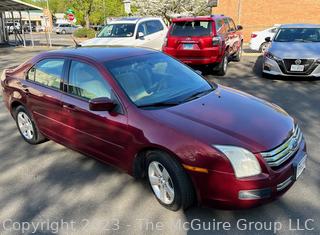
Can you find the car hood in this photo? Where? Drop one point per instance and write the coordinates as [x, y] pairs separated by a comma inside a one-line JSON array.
[[108, 42], [295, 50], [230, 117]]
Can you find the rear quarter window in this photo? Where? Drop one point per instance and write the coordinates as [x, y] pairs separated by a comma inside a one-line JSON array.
[[191, 28]]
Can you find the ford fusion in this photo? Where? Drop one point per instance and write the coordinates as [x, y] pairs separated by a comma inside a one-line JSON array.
[[294, 51], [151, 116]]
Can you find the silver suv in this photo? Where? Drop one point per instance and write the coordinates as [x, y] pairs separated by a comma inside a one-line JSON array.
[[294, 51], [65, 28]]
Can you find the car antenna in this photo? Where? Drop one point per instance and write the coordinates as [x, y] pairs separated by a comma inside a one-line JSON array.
[[75, 42]]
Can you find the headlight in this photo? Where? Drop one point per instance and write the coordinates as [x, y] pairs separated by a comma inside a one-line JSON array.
[[244, 163], [271, 56]]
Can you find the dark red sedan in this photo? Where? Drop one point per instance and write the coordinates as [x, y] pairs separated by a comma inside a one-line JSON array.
[[151, 116]]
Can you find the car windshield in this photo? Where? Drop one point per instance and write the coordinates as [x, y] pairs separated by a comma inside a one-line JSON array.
[[191, 28], [157, 80], [298, 35], [117, 30]]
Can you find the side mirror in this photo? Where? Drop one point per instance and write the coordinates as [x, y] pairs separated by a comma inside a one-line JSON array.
[[140, 35], [101, 104], [267, 39], [239, 27]]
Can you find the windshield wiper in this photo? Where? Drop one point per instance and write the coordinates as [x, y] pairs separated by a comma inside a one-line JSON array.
[[198, 94], [159, 104]]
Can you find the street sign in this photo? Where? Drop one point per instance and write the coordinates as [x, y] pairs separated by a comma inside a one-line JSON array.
[[213, 3], [70, 17]]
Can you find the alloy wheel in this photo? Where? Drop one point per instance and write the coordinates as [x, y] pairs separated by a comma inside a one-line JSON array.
[[161, 182], [25, 125], [264, 47]]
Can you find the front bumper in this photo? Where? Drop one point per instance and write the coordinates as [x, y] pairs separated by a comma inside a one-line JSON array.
[[273, 67], [224, 190]]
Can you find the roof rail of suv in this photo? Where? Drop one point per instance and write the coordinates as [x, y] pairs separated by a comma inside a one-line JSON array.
[[217, 15]]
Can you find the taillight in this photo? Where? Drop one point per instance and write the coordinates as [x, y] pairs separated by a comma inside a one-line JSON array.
[[253, 35], [216, 41]]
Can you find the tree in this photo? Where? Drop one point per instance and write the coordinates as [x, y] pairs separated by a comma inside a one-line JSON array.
[[54, 5], [170, 8], [86, 11], [95, 11]]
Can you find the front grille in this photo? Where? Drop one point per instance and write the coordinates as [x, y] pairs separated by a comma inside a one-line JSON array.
[[285, 151], [309, 66]]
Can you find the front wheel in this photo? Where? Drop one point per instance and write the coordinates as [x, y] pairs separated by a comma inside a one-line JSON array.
[[169, 182], [264, 47], [27, 127]]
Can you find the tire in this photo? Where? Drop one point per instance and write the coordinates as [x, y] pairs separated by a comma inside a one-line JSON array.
[[63, 32], [165, 174], [27, 127], [238, 56], [263, 47], [223, 66]]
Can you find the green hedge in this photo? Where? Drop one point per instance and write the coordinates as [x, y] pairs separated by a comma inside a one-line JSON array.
[[84, 33]]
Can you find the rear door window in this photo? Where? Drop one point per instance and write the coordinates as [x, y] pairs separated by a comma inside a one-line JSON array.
[[191, 28], [226, 24], [232, 26], [47, 72]]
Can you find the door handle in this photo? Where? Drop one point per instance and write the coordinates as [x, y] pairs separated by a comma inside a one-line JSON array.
[[69, 107]]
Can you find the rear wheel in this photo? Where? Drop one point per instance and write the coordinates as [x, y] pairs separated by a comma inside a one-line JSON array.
[[223, 66], [63, 32], [238, 55], [169, 182], [27, 127]]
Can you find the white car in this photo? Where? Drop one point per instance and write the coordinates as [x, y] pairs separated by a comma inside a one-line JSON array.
[[142, 32], [258, 43]]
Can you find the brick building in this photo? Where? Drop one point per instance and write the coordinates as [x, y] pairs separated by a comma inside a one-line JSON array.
[[255, 15]]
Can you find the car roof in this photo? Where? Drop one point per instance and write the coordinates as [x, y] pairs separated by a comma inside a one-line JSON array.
[[300, 26], [133, 20], [192, 18], [100, 54]]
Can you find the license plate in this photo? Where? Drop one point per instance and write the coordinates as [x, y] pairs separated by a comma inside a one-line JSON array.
[[301, 166], [188, 46], [297, 68]]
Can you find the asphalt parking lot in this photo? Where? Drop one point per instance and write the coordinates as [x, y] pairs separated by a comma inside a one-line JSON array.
[[73, 194]]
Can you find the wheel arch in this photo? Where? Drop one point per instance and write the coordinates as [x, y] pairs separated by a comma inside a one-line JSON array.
[[14, 105], [139, 161], [139, 167]]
